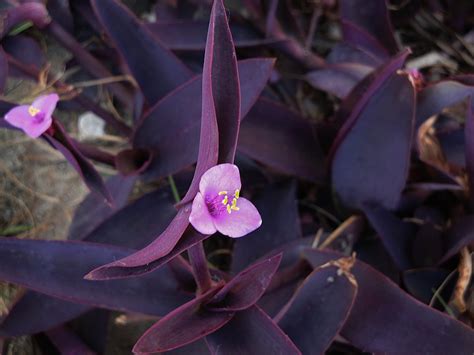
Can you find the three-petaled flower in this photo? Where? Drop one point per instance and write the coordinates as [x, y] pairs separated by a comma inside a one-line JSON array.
[[219, 207], [34, 119]]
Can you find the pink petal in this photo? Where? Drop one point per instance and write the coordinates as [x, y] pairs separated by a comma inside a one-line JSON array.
[[200, 218], [20, 117], [222, 177], [46, 103], [241, 222]]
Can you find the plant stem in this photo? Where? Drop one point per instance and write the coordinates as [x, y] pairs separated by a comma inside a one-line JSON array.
[[174, 189], [201, 273]]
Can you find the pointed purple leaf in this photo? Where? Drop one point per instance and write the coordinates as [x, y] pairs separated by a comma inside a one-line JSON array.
[[133, 161], [362, 174], [156, 69], [26, 50], [363, 40], [318, 310], [67, 342], [338, 79], [251, 332], [183, 326], [281, 224], [167, 131], [373, 17], [220, 117], [280, 138], [246, 288], [384, 317], [460, 234], [396, 235], [57, 268]]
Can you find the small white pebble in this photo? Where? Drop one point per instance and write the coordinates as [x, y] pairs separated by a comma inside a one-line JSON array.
[[90, 126], [330, 279]]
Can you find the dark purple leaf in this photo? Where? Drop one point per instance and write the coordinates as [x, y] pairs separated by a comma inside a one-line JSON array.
[[251, 332], [34, 12], [396, 235], [5, 106], [280, 138], [434, 98], [318, 310], [384, 317], [338, 79], [469, 149], [3, 69], [279, 211], [220, 116], [61, 12], [167, 131], [246, 288], [57, 268], [345, 53], [183, 326], [374, 18], [360, 173], [427, 246], [133, 161], [93, 210], [143, 260], [458, 236], [61, 141], [156, 69], [363, 40]]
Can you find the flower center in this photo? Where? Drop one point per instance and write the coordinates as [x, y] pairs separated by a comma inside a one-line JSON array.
[[36, 114], [221, 202]]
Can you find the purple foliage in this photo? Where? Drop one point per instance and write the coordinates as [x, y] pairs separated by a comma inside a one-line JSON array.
[[360, 169]]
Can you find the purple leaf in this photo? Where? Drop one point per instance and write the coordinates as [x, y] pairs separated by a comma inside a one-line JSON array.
[[93, 210], [34, 12], [66, 342], [338, 79], [384, 317], [166, 130], [363, 40], [421, 282], [360, 173], [220, 115], [251, 332], [156, 69], [141, 261], [396, 235], [343, 53], [469, 149], [280, 138], [434, 98], [183, 326], [318, 310], [61, 141], [25, 50], [374, 18], [246, 288], [3, 69], [57, 269], [279, 211]]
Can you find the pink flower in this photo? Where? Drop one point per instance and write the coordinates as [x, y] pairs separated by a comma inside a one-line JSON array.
[[219, 207], [34, 119]]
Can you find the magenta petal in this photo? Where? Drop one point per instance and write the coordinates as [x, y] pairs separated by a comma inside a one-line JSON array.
[[21, 118], [222, 177], [46, 103], [200, 218], [241, 222]]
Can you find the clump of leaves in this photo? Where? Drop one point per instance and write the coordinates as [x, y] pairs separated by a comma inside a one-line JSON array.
[[362, 230]]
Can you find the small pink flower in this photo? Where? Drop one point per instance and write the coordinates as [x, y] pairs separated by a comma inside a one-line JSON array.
[[34, 119], [219, 207]]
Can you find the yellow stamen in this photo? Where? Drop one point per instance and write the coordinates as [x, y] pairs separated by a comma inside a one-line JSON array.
[[222, 193], [225, 200], [229, 211], [33, 111], [235, 208], [237, 193]]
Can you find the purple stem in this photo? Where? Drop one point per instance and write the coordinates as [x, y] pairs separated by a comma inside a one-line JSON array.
[[89, 62], [201, 273], [84, 101]]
